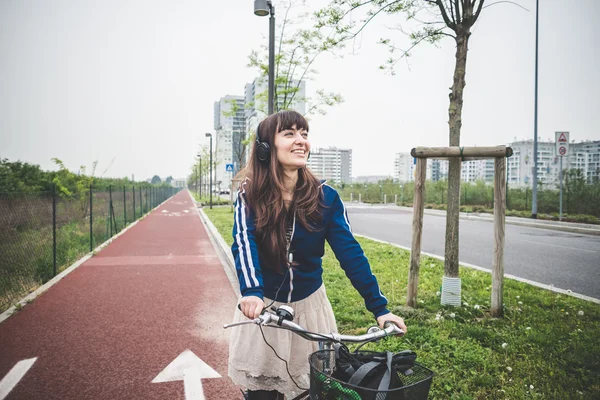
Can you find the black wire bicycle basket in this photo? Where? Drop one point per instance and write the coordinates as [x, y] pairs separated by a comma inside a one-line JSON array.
[[414, 384]]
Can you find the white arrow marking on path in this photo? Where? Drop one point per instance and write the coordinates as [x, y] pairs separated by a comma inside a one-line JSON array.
[[189, 368], [14, 376]]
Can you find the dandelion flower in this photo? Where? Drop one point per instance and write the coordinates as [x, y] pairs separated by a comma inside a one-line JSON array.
[[465, 304], [504, 345], [520, 303], [528, 328], [452, 315], [518, 297], [437, 293], [580, 313], [530, 387], [476, 306], [567, 313], [509, 369]]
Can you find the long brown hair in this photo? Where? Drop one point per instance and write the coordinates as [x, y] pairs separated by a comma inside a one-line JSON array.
[[264, 192]]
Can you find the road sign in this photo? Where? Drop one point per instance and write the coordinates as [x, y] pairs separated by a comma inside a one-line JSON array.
[[229, 167], [562, 143]]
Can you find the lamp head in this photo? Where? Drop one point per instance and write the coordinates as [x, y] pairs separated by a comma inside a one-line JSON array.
[[261, 8], [208, 135]]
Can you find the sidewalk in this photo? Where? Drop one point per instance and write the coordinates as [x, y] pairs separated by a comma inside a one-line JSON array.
[[110, 327], [573, 227]]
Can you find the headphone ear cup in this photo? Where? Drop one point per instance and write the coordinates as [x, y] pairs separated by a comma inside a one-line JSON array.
[[263, 152]]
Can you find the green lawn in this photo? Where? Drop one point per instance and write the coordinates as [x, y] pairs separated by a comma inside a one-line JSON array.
[[547, 345]]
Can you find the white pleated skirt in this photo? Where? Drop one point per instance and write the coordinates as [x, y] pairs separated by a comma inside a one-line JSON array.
[[253, 364]]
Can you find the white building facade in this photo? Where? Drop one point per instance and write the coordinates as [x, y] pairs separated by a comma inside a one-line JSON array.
[[584, 156], [230, 131], [332, 164], [471, 171]]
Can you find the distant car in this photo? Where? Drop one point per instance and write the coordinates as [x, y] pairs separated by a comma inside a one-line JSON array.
[[224, 191]]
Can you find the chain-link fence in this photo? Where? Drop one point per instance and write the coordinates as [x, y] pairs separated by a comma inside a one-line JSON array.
[[43, 233]]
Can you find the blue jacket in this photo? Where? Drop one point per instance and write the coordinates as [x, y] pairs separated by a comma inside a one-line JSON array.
[[307, 249]]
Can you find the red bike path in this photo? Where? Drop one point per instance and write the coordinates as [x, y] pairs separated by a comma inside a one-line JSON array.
[[107, 329]]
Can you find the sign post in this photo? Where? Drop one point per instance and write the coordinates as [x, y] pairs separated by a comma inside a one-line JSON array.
[[562, 149], [229, 168]]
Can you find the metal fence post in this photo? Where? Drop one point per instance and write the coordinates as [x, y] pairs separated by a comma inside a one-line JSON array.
[[133, 187], [124, 207], [91, 221], [110, 208], [54, 228]]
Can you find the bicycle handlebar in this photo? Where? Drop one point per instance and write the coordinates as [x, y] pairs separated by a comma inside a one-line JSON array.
[[267, 318]]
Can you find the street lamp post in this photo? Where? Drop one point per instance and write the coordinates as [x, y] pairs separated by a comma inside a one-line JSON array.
[[199, 176], [535, 119], [262, 8], [209, 135]]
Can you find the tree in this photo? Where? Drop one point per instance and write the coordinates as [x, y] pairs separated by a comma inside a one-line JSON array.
[[295, 55], [169, 179], [17, 176], [156, 180], [436, 19]]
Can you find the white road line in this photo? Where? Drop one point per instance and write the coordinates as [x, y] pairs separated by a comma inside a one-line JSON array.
[[14, 376], [509, 276]]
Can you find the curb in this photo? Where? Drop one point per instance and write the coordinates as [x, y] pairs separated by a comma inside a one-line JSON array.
[[229, 264], [30, 297], [222, 249], [552, 288]]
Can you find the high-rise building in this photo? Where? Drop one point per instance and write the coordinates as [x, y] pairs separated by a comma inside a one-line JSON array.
[[471, 171], [405, 167], [585, 156], [230, 131], [332, 164], [256, 97]]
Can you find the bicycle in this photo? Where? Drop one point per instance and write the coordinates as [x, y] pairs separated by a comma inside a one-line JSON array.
[[323, 385]]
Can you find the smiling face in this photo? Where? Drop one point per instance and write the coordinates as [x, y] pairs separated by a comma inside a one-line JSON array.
[[292, 147]]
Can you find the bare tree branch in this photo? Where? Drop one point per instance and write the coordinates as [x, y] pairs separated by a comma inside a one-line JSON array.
[[416, 43], [498, 2], [447, 20]]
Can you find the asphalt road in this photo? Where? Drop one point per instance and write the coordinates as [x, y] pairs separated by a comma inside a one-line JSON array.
[[565, 260]]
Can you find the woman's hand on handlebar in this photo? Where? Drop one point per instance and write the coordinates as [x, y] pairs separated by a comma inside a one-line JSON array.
[[389, 317], [251, 306]]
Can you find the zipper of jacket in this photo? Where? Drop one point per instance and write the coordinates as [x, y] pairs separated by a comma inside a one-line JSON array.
[[291, 259]]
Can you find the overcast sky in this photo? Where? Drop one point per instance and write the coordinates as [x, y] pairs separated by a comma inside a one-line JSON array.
[[131, 84]]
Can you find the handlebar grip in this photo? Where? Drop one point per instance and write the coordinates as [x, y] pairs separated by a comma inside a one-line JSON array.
[[399, 331], [388, 323]]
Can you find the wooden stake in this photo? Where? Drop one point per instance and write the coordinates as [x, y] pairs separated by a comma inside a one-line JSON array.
[[417, 230], [499, 223]]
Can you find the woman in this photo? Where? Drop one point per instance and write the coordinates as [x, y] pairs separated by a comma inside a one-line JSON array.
[[283, 215]]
